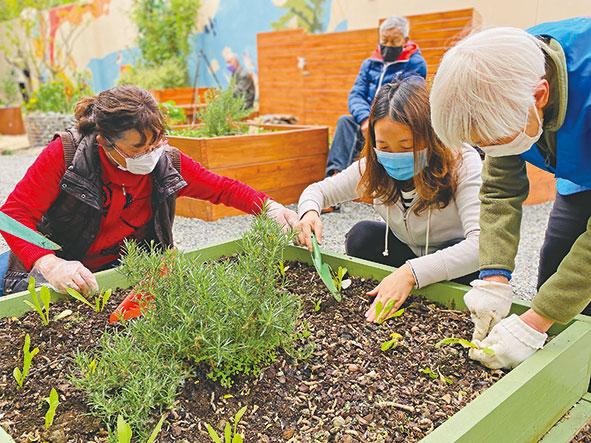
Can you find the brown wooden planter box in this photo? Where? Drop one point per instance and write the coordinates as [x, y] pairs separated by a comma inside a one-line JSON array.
[[183, 98], [11, 121], [280, 163]]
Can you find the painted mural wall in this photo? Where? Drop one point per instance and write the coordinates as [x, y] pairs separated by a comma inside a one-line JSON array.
[[100, 37]]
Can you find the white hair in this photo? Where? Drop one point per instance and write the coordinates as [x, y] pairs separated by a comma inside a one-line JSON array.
[[484, 86], [394, 22]]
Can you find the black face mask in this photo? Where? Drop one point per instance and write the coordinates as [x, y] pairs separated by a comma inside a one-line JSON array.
[[390, 53]]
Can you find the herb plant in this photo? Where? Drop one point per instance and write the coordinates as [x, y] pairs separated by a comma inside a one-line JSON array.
[[435, 375], [339, 283], [450, 341], [53, 401], [100, 300], [42, 307], [223, 114], [173, 114], [28, 355], [231, 434], [124, 431]]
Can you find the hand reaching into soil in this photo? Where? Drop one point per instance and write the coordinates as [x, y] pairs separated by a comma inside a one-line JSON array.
[[395, 286], [308, 225], [63, 274], [282, 215], [512, 341], [489, 302]]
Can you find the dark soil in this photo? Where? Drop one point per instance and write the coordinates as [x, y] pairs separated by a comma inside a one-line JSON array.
[[348, 390]]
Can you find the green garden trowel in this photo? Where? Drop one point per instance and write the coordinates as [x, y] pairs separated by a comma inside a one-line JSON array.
[[322, 268], [13, 227]]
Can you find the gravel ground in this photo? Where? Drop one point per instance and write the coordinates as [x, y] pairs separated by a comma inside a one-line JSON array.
[[192, 233]]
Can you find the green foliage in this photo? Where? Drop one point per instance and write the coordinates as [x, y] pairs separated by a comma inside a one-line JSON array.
[[57, 96], [168, 74], [383, 313], [229, 316], [317, 305], [53, 401], [429, 372], [45, 295], [223, 114], [124, 432], [323, 270], [392, 343], [306, 13], [231, 434], [100, 300], [173, 114], [28, 355], [128, 379], [9, 90], [339, 283], [12, 8], [450, 341]]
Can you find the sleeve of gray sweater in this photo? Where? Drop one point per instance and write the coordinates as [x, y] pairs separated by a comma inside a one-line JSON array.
[[461, 258]]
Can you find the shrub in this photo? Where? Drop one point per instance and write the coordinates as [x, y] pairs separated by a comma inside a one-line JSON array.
[[168, 74], [57, 96]]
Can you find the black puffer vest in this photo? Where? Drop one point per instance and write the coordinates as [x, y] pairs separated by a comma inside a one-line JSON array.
[[73, 220]]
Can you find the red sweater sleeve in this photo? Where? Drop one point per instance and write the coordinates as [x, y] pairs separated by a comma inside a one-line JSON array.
[[205, 185], [32, 197]]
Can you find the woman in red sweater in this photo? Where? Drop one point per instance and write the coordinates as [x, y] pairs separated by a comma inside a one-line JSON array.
[[113, 177]]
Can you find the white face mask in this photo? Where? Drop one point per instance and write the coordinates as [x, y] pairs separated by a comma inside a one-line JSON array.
[[518, 145], [142, 165]]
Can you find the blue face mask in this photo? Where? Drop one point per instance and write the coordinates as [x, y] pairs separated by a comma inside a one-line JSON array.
[[401, 165]]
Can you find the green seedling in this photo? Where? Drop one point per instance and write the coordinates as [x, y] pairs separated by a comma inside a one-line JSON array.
[[392, 343], [100, 300], [230, 434], [53, 401], [28, 355], [450, 341], [156, 430], [283, 269], [435, 375], [317, 305], [338, 281], [382, 311], [123, 430], [42, 307]]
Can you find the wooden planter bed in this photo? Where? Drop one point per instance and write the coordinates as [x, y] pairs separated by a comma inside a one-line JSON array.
[[522, 406], [281, 162], [11, 121]]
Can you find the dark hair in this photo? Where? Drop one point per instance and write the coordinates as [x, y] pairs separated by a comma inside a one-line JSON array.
[[119, 109], [406, 101]]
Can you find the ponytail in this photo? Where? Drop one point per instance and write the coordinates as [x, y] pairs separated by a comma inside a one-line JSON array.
[[84, 114]]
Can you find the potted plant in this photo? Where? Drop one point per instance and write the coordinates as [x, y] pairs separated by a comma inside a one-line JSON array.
[[244, 339], [11, 121], [280, 160]]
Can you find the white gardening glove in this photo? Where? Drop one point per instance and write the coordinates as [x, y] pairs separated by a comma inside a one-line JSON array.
[[287, 218], [512, 342], [63, 274], [488, 302]]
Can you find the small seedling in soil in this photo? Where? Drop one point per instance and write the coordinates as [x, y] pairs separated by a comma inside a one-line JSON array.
[[450, 341], [317, 305], [100, 300], [324, 270], [53, 401], [339, 283], [230, 434], [42, 307], [433, 375], [28, 355], [392, 343], [282, 269], [382, 311], [124, 432]]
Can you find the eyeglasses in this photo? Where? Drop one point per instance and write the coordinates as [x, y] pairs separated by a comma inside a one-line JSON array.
[[163, 141]]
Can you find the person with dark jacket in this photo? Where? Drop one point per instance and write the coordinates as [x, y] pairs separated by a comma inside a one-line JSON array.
[[113, 177], [396, 56], [241, 80]]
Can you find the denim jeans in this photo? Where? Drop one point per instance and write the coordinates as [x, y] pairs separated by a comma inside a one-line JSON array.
[[3, 268], [568, 220], [346, 144]]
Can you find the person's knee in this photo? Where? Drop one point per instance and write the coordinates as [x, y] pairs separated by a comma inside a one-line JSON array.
[[358, 239]]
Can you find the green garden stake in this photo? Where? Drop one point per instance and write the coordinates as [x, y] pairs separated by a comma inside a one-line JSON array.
[[322, 268], [13, 227]]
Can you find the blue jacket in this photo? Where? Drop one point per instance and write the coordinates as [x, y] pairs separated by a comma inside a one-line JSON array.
[[573, 139], [374, 73]]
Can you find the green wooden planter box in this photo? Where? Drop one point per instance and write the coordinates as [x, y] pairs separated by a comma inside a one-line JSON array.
[[548, 392]]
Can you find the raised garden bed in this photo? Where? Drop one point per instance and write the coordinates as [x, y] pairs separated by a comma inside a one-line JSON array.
[[280, 162], [11, 120], [348, 390], [189, 99]]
